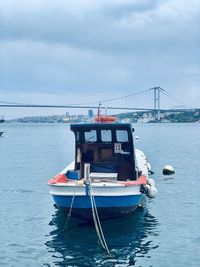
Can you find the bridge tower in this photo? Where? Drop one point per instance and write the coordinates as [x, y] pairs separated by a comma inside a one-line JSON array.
[[156, 92]]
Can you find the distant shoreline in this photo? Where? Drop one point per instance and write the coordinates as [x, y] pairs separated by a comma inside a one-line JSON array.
[[129, 117]]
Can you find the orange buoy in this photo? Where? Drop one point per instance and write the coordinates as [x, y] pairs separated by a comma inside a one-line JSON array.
[[105, 119]]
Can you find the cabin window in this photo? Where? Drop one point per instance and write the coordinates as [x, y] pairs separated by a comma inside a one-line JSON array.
[[88, 156], [78, 136], [122, 136], [106, 136], [78, 155], [106, 154], [90, 136]]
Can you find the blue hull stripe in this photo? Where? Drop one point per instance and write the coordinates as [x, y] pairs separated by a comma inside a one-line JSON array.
[[83, 202]]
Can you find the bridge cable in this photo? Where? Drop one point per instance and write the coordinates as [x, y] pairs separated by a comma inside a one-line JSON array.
[[113, 99], [12, 103], [174, 98]]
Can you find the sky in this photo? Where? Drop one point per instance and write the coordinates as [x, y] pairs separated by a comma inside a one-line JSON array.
[[77, 51]]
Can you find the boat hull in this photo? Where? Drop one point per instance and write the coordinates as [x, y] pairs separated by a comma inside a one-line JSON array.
[[107, 207]]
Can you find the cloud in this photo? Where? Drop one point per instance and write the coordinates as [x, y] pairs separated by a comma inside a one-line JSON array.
[[99, 24], [85, 46], [37, 66]]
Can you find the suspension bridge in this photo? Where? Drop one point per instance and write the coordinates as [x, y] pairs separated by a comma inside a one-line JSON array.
[[144, 100]]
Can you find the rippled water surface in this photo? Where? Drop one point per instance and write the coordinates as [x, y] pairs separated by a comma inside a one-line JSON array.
[[166, 233]]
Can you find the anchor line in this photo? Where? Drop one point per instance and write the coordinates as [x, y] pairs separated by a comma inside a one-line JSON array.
[[96, 219], [70, 210]]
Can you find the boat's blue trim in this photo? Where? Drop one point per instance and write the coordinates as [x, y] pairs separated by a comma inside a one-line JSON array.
[[83, 202]]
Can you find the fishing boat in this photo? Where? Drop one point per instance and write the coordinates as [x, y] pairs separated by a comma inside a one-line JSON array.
[[108, 175], [1, 133]]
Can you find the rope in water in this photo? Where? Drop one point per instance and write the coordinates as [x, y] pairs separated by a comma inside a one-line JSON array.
[[95, 215], [96, 219], [70, 210]]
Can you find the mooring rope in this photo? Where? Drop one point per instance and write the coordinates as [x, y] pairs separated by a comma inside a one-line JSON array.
[[95, 222], [96, 219], [95, 215]]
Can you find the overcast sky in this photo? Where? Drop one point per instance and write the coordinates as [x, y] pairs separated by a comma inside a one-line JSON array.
[[73, 51]]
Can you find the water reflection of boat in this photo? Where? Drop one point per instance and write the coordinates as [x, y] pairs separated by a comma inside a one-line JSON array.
[[130, 239]]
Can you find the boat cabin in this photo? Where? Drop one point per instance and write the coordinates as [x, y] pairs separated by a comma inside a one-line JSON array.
[[107, 147]]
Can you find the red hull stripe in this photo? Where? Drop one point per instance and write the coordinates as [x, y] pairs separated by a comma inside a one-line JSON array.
[[61, 178], [141, 180]]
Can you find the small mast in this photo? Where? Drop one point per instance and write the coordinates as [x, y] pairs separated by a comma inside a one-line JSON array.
[[100, 118]]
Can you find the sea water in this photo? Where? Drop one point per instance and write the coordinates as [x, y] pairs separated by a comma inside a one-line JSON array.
[[165, 233]]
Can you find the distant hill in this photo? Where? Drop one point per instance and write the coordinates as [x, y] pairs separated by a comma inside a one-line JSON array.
[[165, 116]]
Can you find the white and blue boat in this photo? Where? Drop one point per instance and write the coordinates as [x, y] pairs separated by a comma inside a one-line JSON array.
[[107, 168]]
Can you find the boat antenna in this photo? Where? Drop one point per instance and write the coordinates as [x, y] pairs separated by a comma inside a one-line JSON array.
[[98, 113], [106, 110]]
